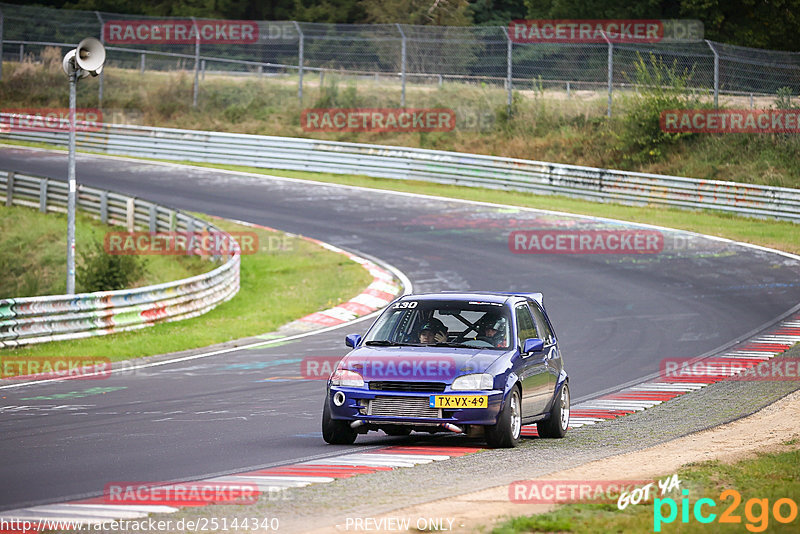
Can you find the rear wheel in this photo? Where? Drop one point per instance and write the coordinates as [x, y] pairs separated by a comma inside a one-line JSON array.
[[505, 434], [334, 431], [556, 426]]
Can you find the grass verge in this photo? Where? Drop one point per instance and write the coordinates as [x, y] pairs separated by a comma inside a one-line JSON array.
[[33, 255], [278, 284], [760, 482]]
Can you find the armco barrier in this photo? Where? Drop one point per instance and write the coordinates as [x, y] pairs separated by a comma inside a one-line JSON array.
[[429, 165], [39, 319]]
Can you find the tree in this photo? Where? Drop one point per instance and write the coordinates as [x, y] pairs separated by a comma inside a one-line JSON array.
[[419, 12]]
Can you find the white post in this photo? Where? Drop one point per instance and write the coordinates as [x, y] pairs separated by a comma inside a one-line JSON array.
[[610, 72], [716, 73], [72, 188], [196, 62], [300, 60], [402, 66], [100, 81], [509, 67]]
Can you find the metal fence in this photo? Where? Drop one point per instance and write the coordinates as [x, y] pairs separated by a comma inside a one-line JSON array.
[[406, 53], [51, 318], [430, 165]]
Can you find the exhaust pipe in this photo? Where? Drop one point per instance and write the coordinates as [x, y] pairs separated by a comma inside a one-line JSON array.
[[452, 428], [356, 424]]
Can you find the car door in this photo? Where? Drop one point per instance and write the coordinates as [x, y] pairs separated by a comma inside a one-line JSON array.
[[532, 371], [551, 355]]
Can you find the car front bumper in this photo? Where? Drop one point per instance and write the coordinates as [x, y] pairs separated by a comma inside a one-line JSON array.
[[410, 408]]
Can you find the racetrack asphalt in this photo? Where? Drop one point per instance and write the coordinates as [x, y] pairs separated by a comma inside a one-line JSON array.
[[617, 316]]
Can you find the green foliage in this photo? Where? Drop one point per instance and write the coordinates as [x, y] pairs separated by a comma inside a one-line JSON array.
[[783, 98], [661, 87], [331, 97], [421, 12], [99, 271], [496, 12]]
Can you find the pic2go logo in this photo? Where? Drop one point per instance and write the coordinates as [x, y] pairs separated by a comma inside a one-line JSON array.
[[756, 511]]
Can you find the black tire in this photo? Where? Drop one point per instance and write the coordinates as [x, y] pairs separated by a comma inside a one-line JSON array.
[[396, 430], [556, 426], [334, 431], [506, 432]]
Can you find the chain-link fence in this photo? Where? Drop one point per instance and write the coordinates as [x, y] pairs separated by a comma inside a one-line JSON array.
[[405, 53]]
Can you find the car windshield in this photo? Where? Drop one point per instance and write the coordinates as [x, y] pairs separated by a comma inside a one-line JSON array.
[[475, 324]]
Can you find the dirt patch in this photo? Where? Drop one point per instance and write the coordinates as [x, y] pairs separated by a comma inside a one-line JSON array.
[[764, 431]]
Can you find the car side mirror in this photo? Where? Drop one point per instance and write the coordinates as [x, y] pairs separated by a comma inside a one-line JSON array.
[[352, 340], [532, 344]]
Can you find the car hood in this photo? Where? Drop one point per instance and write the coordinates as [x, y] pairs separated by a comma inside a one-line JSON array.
[[424, 364]]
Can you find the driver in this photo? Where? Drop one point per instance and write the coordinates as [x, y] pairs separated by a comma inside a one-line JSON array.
[[433, 331], [492, 329]]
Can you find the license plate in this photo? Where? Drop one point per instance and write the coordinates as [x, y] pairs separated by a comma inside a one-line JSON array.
[[459, 401]]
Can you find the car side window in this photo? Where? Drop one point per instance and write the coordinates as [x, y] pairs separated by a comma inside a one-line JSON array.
[[541, 324], [525, 327]]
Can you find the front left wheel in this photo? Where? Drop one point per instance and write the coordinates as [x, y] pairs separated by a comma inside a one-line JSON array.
[[334, 431], [506, 433]]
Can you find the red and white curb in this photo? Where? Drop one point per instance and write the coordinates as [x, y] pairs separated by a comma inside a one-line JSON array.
[[377, 295], [647, 394], [269, 481]]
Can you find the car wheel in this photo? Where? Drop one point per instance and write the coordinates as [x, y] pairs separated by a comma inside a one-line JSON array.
[[505, 434], [556, 426], [334, 431]]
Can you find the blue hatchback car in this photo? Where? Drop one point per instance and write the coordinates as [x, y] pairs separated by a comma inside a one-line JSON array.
[[482, 364]]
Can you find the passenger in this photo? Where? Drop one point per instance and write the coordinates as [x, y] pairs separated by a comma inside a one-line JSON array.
[[492, 328], [433, 331]]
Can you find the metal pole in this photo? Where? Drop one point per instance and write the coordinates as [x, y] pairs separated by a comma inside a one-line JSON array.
[[196, 62], [100, 81], [141, 64], [1, 44], [716, 73], [300, 59], [509, 67], [610, 72], [73, 80], [402, 66]]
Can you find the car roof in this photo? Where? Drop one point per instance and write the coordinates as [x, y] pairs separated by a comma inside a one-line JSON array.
[[498, 297]]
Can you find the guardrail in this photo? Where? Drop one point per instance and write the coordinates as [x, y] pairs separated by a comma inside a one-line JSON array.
[[428, 165], [50, 318]]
